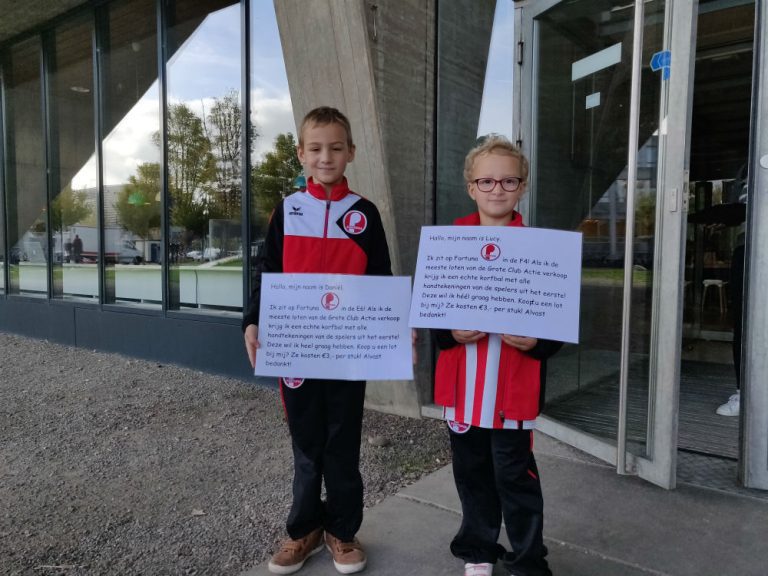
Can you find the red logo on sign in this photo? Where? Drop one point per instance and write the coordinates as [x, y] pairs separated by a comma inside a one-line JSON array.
[[490, 252], [355, 222], [293, 382], [457, 427], [329, 301]]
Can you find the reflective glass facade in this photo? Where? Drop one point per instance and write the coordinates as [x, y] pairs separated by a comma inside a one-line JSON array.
[[130, 152], [26, 202], [124, 154], [73, 178]]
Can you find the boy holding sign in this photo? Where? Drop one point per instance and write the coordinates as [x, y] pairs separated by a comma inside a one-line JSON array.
[[491, 389], [325, 229]]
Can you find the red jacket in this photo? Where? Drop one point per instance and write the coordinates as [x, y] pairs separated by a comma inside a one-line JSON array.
[[310, 233], [519, 392]]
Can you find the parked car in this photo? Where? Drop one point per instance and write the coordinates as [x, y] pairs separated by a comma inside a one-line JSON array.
[[205, 255]]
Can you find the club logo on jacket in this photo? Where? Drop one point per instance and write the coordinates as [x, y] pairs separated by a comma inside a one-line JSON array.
[[457, 427], [355, 222], [293, 382], [329, 301], [490, 252]]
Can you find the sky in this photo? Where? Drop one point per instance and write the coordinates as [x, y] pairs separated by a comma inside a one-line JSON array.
[[496, 110]]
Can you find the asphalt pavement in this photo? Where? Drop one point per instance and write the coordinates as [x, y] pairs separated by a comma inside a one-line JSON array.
[[597, 523]]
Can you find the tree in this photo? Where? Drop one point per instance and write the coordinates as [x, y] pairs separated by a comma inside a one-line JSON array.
[[274, 176], [224, 129], [69, 208], [138, 203], [223, 126], [191, 170]]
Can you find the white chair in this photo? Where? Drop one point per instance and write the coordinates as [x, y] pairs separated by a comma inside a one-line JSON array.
[[720, 286]]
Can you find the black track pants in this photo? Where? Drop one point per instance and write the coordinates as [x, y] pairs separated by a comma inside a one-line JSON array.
[[325, 419], [496, 476]]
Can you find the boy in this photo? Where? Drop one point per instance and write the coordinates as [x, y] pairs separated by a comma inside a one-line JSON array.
[[325, 229], [491, 387]]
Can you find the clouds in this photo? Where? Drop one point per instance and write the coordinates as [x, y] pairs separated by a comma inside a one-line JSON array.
[[272, 116], [130, 142]]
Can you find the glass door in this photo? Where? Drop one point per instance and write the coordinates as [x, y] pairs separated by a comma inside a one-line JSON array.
[[604, 106], [754, 461]]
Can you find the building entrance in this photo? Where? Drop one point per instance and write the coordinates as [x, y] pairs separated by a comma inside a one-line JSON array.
[[650, 162]]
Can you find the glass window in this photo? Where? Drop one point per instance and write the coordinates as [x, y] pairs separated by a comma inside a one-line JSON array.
[[74, 190], [131, 155], [203, 139], [276, 170], [26, 198]]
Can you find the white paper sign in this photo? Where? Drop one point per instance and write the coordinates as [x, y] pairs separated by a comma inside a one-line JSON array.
[[500, 279], [335, 326]]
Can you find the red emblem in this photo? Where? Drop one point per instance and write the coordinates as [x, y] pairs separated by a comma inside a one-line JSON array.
[[329, 301], [293, 382], [457, 427], [355, 222], [490, 252]]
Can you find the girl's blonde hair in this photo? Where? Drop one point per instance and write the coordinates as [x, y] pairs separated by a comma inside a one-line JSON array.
[[494, 144]]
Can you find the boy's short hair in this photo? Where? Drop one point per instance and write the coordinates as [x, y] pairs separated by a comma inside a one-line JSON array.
[[494, 144], [322, 116]]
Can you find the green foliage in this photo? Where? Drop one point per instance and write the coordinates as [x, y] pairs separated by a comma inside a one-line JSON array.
[[204, 172], [645, 215], [191, 169], [273, 178], [69, 208], [138, 203]]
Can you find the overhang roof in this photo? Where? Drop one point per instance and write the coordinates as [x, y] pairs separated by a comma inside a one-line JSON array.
[[17, 17]]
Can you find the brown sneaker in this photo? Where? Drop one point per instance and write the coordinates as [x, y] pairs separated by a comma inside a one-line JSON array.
[[348, 557], [293, 553]]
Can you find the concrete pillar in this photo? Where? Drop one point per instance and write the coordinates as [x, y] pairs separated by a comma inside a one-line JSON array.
[[463, 42], [375, 62]]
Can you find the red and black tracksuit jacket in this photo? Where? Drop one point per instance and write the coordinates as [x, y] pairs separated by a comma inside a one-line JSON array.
[[521, 375], [310, 233]]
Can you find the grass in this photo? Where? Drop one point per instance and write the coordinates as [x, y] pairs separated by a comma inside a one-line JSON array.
[[615, 275]]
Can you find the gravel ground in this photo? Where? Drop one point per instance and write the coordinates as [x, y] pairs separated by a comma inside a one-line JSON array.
[[112, 465]]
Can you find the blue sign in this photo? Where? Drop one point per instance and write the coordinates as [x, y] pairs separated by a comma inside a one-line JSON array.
[[662, 61]]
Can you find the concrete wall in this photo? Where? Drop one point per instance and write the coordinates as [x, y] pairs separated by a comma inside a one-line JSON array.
[[464, 39]]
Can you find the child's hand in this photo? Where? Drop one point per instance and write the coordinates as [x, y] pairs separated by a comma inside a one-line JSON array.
[[467, 336], [252, 344], [523, 343]]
